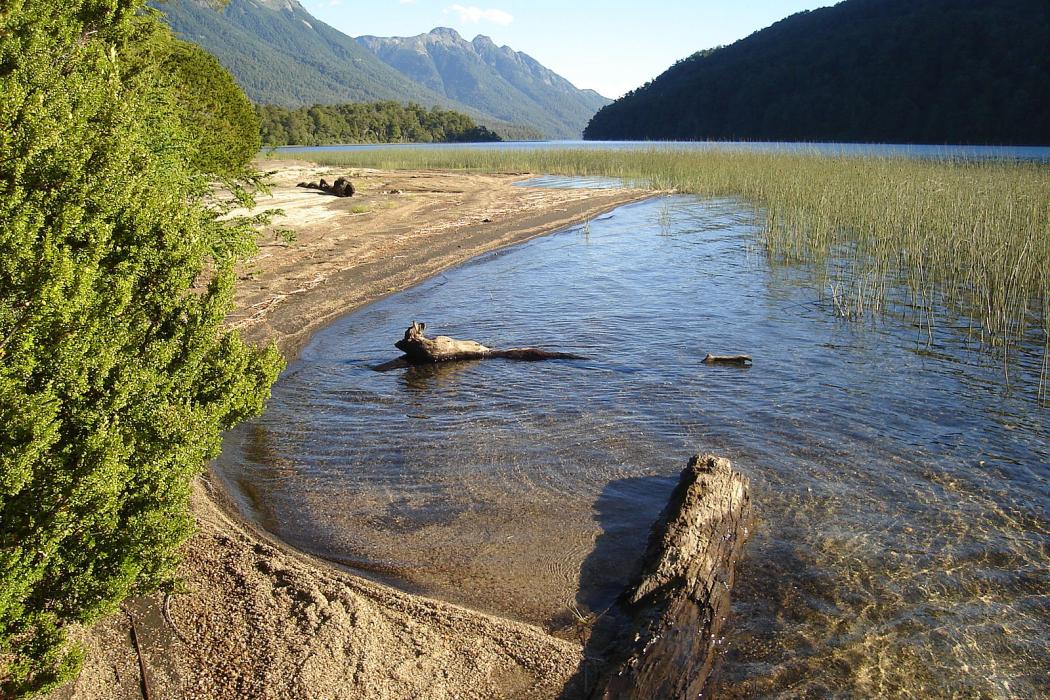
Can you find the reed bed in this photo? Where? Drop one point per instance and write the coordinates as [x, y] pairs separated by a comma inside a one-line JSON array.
[[962, 237]]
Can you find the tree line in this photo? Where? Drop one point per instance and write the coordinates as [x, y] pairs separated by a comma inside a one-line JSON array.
[[369, 122]]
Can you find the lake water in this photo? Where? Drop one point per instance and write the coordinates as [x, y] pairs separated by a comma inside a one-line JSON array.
[[900, 546], [1034, 153]]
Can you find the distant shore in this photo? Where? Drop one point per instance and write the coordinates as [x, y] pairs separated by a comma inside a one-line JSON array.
[[261, 620]]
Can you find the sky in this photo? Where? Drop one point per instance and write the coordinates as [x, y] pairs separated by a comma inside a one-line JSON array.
[[611, 46]]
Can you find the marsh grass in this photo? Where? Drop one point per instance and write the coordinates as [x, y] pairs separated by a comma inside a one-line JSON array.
[[966, 237]]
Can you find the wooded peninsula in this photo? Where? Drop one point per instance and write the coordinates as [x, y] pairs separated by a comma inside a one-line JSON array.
[[369, 122]]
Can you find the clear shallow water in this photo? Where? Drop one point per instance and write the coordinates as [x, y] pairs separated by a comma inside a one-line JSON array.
[[901, 542], [573, 182], [1039, 153]]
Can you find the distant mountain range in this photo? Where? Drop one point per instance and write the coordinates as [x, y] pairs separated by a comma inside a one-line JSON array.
[[898, 71], [280, 54], [499, 81]]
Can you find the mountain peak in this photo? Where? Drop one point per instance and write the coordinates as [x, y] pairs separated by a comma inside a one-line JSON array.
[[274, 49], [445, 34], [498, 81], [289, 5]]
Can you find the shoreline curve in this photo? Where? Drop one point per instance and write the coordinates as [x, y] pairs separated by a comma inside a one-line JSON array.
[[260, 619]]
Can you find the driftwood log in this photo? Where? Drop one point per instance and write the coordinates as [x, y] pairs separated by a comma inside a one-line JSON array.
[[420, 350], [671, 649], [340, 188], [742, 360]]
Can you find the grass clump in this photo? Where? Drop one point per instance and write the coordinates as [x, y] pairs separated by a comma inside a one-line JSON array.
[[970, 236]]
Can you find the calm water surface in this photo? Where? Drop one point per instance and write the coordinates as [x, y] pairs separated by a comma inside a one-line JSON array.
[[901, 542], [1036, 153]]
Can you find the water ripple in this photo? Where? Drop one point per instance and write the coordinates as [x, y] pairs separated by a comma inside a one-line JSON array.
[[901, 543]]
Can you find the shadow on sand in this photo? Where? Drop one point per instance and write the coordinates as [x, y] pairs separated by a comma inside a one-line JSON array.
[[626, 511]]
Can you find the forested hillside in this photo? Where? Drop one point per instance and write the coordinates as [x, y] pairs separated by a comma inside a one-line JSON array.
[[376, 122], [282, 55], [508, 84], [906, 71]]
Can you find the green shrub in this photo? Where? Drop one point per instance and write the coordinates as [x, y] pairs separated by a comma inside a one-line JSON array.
[[116, 377], [217, 116]]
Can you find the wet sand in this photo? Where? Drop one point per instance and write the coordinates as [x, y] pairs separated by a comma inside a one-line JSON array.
[[258, 619]]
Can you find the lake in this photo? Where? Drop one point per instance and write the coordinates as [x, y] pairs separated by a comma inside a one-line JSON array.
[[1030, 153], [900, 483]]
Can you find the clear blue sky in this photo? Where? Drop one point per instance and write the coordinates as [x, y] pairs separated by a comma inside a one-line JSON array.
[[610, 46]]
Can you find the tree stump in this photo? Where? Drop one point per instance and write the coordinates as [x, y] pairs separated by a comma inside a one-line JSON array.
[[676, 610], [341, 188]]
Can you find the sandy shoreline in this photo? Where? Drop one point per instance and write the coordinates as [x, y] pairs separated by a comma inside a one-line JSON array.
[[260, 620]]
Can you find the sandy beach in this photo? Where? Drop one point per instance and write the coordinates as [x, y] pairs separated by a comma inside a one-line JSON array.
[[257, 619]]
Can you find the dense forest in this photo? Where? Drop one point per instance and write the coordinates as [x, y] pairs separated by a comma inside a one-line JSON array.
[[122, 154], [903, 71], [376, 122]]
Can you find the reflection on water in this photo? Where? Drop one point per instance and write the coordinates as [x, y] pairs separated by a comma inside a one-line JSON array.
[[901, 490], [573, 182]]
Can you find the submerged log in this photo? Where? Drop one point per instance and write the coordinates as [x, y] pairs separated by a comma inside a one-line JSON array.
[[672, 648], [420, 349], [742, 360]]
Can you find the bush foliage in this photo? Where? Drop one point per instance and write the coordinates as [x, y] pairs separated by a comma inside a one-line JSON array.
[[116, 377], [218, 118]]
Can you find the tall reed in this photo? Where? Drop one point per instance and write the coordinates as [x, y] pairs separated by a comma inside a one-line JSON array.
[[969, 236]]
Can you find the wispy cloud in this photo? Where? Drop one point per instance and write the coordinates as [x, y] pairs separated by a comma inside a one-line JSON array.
[[474, 15]]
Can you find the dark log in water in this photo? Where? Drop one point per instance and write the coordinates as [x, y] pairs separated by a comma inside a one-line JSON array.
[[742, 360], [420, 349], [676, 611]]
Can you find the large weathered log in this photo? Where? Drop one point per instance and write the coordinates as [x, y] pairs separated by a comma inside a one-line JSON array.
[[682, 597], [420, 349]]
